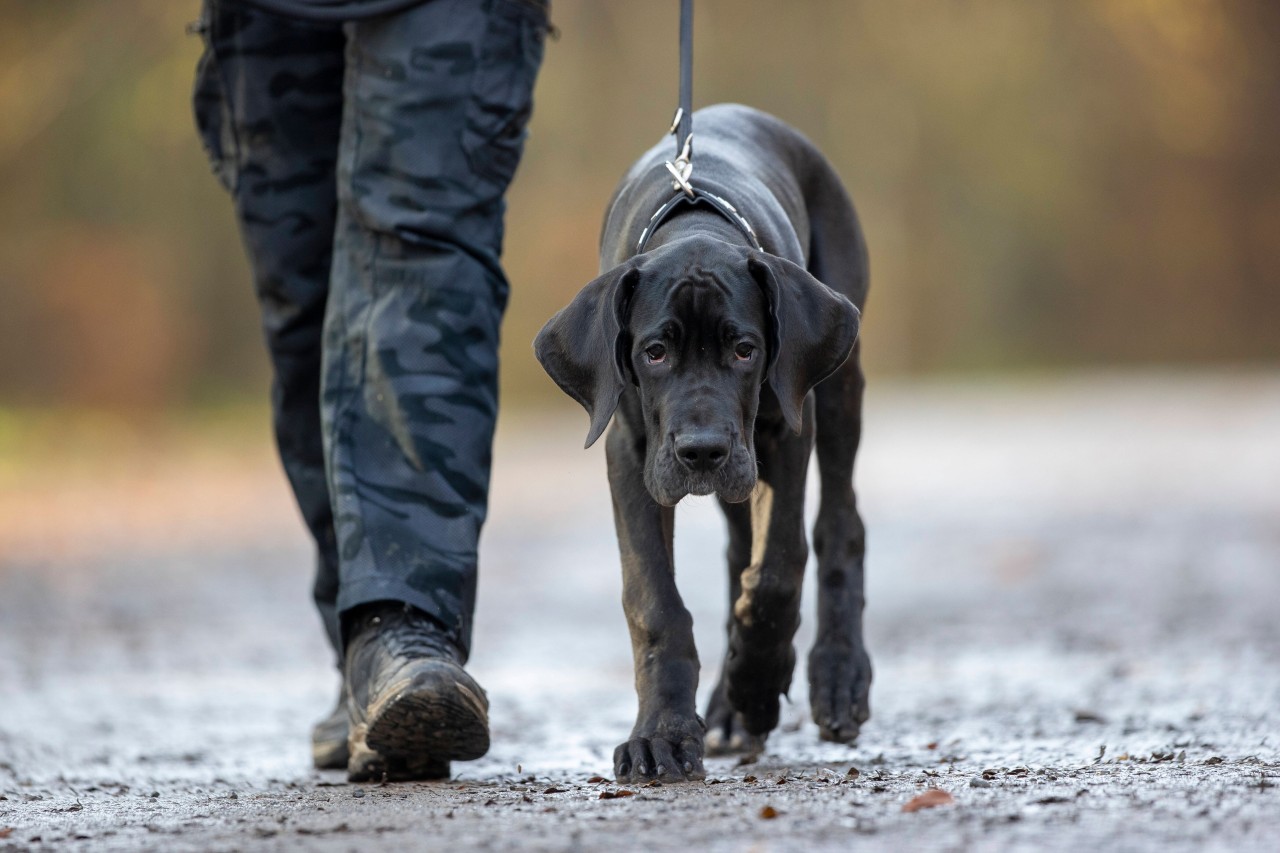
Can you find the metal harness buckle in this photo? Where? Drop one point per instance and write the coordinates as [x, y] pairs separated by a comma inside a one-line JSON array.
[[682, 168]]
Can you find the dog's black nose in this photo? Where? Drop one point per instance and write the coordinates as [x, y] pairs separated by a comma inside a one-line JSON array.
[[702, 452]]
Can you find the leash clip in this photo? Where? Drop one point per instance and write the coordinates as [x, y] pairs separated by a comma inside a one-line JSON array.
[[682, 168]]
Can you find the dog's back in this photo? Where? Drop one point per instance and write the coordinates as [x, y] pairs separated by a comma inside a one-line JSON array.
[[772, 174]]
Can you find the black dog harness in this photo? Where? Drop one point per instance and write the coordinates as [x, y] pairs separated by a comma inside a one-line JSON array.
[[681, 168]]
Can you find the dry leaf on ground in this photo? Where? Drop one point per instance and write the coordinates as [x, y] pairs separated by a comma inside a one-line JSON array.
[[928, 799], [613, 795]]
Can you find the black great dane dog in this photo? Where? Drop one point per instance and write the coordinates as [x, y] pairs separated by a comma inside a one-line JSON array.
[[708, 349]]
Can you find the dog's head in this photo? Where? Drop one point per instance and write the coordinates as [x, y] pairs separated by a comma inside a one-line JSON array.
[[698, 326]]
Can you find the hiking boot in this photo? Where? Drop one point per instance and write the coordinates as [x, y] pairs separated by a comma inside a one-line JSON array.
[[412, 708], [329, 737]]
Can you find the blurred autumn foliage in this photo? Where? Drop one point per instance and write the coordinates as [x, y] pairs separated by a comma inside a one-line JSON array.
[[1043, 184]]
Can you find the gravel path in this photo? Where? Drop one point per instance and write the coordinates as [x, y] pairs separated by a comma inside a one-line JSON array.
[[1074, 592]]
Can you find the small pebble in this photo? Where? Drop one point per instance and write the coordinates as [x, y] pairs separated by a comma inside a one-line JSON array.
[[358, 792], [979, 782]]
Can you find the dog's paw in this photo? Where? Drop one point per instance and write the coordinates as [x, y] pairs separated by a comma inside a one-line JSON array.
[[757, 673], [667, 758], [732, 738], [726, 730], [839, 690]]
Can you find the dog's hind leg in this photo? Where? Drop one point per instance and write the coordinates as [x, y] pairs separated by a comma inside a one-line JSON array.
[[839, 667], [726, 732]]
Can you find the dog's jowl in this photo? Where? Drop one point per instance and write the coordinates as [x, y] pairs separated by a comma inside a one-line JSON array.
[[724, 350]]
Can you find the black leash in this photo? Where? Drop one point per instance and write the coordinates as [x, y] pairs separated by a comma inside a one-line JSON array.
[[681, 168], [683, 124]]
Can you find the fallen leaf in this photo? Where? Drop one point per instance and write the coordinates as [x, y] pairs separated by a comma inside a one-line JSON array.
[[749, 779], [853, 773], [927, 800], [768, 813], [6, 831], [594, 780], [933, 745], [554, 790], [1083, 715], [613, 795]]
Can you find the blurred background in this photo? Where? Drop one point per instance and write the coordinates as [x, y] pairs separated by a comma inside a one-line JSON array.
[[1043, 185]]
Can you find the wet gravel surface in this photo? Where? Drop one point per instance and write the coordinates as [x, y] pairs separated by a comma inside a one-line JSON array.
[[1074, 614]]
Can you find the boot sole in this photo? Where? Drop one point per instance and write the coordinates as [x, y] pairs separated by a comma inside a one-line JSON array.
[[418, 726]]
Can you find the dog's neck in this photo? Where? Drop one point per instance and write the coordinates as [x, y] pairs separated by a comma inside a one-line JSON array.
[[696, 220]]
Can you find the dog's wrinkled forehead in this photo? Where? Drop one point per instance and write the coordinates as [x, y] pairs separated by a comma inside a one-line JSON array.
[[699, 283]]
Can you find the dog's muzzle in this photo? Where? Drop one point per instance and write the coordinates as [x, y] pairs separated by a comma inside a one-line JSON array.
[[701, 463]]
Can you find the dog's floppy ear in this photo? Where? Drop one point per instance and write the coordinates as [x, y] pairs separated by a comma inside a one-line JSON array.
[[586, 349], [812, 330]]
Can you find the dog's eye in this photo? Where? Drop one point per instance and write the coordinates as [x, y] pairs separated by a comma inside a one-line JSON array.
[[744, 351], [656, 353]]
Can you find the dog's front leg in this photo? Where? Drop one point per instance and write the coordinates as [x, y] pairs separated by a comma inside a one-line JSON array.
[[760, 658], [667, 740]]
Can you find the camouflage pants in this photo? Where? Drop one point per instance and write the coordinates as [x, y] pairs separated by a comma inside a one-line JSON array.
[[368, 163]]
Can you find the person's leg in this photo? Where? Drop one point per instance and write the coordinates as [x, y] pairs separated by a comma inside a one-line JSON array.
[[437, 101], [268, 103]]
